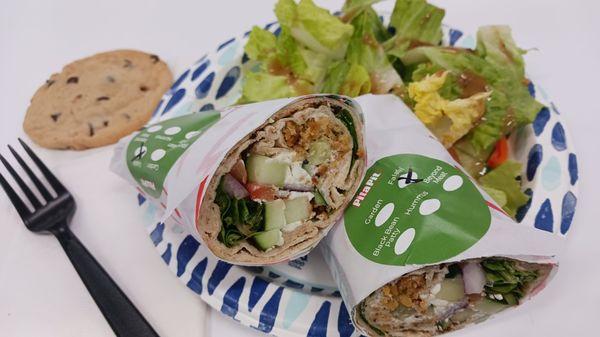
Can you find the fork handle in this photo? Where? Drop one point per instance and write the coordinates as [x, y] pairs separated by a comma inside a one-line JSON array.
[[122, 316]]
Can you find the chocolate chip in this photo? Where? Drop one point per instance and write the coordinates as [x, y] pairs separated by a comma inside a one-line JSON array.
[[91, 127], [49, 83], [73, 80], [127, 116], [143, 88], [154, 58], [77, 97], [102, 98], [105, 123], [127, 64], [110, 79], [55, 116]]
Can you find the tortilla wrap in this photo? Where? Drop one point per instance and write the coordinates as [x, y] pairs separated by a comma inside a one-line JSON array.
[[419, 304], [337, 184]]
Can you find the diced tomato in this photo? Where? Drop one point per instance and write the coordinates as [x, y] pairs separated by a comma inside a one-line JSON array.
[[262, 192], [238, 171], [500, 153]]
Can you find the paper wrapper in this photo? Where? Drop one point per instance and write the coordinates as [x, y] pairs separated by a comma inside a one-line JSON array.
[[172, 162], [417, 207]]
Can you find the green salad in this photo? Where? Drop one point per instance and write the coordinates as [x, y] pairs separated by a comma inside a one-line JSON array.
[[471, 99]]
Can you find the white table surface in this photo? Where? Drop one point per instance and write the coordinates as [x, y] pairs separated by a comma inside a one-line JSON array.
[[41, 295]]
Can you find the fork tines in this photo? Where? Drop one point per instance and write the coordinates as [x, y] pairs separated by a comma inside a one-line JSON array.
[[14, 197]]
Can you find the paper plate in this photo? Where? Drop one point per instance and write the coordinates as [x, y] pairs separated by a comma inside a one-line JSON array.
[[299, 298]]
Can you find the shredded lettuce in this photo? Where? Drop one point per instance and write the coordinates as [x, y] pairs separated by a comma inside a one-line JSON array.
[[238, 212], [349, 79], [503, 180]]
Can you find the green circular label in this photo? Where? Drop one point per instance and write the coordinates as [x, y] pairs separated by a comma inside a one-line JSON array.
[[412, 209]]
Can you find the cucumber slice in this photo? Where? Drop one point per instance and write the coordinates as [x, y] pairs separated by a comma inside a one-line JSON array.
[[274, 214], [319, 200], [269, 239], [266, 171], [297, 209], [319, 152], [490, 307], [452, 290]]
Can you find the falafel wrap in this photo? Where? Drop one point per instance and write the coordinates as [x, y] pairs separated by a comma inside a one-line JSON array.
[[259, 183], [422, 250]]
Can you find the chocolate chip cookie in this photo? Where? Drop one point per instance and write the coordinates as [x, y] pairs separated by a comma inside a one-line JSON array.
[[97, 100]]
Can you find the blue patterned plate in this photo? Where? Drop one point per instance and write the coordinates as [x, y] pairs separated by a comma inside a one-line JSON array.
[[299, 298]]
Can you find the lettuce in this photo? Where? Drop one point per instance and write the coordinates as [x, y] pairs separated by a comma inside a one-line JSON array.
[[364, 49], [349, 79], [449, 120], [415, 23], [314, 27], [352, 8], [261, 44], [262, 86], [503, 180]]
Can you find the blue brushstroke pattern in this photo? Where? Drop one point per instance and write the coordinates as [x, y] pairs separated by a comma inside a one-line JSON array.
[[273, 275], [454, 35], [558, 137], [544, 218], [225, 43], [568, 211], [573, 172], [166, 256], [179, 80], [336, 294], [200, 70], [186, 250], [218, 274], [207, 107], [228, 82], [318, 327], [255, 269], [541, 120], [316, 289], [245, 58], [534, 159], [232, 297], [141, 199], [269, 312], [177, 96], [195, 282], [204, 86], [345, 327], [157, 233], [293, 284], [257, 290], [522, 211], [157, 108], [531, 89]]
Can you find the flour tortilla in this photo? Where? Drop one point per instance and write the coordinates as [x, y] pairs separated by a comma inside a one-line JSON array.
[[305, 236], [418, 325]]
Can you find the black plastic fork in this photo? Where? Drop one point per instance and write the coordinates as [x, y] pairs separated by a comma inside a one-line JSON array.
[[53, 214]]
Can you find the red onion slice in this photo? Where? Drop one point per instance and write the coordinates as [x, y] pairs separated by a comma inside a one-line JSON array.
[[233, 187], [473, 278]]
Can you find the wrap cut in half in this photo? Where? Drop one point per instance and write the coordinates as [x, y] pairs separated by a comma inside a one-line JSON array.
[[447, 297], [281, 188]]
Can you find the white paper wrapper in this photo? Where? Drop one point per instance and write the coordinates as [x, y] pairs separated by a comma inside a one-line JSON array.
[[173, 161], [392, 228]]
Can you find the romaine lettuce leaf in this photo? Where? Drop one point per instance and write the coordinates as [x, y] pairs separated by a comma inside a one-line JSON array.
[[364, 49], [352, 8], [261, 45], [415, 22], [314, 27], [503, 179], [346, 78], [262, 86], [449, 120]]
